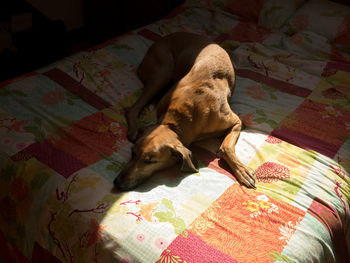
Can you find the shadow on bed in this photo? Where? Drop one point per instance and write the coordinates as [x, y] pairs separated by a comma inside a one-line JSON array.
[[170, 177]]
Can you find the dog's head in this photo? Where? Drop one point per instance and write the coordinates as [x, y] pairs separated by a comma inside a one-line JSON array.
[[157, 148]]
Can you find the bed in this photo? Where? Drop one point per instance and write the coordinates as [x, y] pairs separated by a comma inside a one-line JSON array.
[[63, 141]]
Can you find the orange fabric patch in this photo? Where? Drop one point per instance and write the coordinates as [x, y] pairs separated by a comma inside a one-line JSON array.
[[248, 226]]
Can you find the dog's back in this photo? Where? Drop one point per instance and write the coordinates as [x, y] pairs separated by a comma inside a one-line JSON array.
[[185, 48], [204, 81], [182, 50]]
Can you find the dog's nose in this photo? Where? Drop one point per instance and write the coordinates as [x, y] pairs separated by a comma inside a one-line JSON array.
[[118, 183], [121, 184]]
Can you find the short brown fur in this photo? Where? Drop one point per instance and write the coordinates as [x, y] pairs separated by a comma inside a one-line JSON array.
[[195, 107]]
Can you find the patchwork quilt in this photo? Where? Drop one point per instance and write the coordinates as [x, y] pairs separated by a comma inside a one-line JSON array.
[[63, 141]]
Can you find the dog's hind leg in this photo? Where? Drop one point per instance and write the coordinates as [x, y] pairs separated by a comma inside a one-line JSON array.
[[227, 152], [155, 72]]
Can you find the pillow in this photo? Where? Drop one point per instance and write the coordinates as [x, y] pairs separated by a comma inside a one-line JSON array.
[[268, 13], [326, 18]]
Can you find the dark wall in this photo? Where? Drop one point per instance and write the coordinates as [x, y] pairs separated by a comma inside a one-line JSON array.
[[108, 18], [34, 40]]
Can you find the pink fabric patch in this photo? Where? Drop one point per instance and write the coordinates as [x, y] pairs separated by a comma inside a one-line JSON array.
[[60, 161], [273, 140], [193, 249]]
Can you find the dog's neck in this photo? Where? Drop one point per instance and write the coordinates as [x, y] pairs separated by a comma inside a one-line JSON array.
[[173, 126]]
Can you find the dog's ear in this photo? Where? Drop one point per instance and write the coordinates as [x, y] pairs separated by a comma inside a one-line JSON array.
[[189, 163], [141, 132]]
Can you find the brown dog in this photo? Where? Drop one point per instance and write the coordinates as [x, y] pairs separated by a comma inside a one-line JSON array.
[[194, 108]]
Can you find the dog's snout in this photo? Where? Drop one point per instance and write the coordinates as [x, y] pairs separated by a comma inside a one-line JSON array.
[[119, 182], [123, 183], [121, 186]]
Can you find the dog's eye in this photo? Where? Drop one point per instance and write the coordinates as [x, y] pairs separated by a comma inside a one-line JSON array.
[[149, 161]]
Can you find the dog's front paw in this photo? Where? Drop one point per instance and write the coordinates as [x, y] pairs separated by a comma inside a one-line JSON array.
[[241, 172], [245, 177]]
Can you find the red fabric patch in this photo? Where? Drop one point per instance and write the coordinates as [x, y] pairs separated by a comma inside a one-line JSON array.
[[76, 88], [90, 137], [273, 140], [316, 126], [149, 34], [249, 10], [21, 156], [246, 32], [343, 34], [306, 142], [332, 67], [269, 172], [274, 83]]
